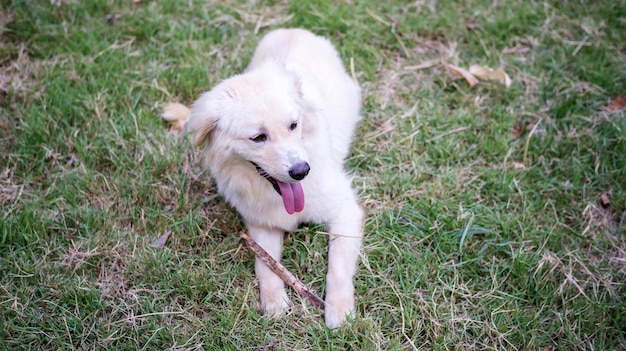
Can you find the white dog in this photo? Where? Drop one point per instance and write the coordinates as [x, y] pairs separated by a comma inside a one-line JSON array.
[[275, 139]]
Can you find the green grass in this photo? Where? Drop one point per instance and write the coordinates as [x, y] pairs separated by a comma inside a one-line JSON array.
[[485, 228]]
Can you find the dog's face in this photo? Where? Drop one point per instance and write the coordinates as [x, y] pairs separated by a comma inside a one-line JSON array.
[[268, 133], [259, 118]]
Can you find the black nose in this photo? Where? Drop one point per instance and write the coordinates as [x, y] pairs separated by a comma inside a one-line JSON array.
[[299, 171]]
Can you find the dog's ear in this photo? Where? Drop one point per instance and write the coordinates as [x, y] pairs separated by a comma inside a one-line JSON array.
[[203, 119], [297, 84], [301, 99]]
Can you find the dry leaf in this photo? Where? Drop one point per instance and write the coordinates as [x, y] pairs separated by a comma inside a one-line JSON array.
[[604, 200], [462, 72], [518, 165], [520, 127], [162, 240], [618, 103], [491, 74], [517, 130], [111, 18]]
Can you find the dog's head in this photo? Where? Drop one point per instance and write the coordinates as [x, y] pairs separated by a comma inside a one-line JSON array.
[[257, 117]]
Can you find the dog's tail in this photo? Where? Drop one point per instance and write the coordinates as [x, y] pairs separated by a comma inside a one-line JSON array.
[[177, 116]]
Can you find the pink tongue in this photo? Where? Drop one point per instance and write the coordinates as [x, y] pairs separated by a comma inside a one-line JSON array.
[[293, 196]]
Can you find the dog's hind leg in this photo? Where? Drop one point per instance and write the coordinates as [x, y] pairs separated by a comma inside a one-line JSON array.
[[346, 232], [274, 299]]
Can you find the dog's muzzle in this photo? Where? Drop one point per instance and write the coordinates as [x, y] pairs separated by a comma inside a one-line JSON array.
[[292, 193]]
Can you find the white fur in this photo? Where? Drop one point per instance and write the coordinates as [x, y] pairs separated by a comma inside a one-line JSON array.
[[294, 76]]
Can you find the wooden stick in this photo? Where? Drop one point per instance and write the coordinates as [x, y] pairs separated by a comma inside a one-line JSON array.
[[282, 272]]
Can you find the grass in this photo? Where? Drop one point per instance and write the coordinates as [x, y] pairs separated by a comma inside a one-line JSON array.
[[486, 227]]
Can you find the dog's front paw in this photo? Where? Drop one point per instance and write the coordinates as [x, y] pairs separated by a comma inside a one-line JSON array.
[[337, 309], [274, 305]]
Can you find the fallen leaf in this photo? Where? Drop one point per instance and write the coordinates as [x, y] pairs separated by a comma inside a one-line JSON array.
[[162, 240], [383, 125], [520, 127], [604, 200], [618, 103], [462, 72], [379, 123], [518, 165], [491, 74], [111, 18]]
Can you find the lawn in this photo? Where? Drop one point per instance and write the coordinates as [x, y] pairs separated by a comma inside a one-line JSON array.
[[496, 216]]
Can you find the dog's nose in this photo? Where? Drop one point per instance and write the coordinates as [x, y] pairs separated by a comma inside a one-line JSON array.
[[299, 171]]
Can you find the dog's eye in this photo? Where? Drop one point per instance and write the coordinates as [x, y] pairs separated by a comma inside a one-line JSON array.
[[259, 138], [293, 125]]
